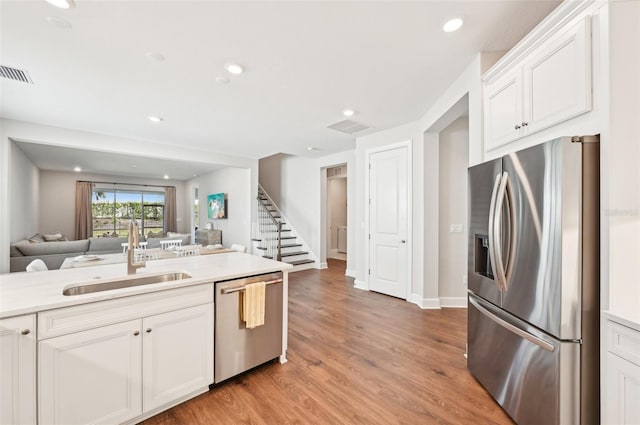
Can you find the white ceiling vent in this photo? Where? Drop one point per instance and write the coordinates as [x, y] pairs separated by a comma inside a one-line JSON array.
[[15, 74], [349, 126]]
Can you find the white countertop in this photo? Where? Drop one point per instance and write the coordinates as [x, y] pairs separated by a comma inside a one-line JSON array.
[[624, 318], [24, 293]]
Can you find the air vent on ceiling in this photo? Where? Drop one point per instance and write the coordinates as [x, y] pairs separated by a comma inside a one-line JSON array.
[[15, 74], [349, 126]]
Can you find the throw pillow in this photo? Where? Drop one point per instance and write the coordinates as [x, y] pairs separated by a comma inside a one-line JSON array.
[[36, 238], [54, 237]]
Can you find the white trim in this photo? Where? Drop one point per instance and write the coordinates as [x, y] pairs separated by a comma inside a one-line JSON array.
[[361, 284], [301, 267], [321, 266], [424, 303], [408, 144], [453, 302], [350, 273], [549, 26]]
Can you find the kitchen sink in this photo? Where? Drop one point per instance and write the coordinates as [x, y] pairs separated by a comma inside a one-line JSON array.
[[87, 288]]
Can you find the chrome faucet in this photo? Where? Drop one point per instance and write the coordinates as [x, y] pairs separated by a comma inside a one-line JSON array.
[[134, 239]]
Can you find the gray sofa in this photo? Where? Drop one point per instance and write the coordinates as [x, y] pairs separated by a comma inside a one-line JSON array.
[[54, 253]]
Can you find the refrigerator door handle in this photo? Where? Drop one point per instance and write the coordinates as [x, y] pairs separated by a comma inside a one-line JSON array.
[[510, 202], [492, 245], [514, 329], [497, 232]]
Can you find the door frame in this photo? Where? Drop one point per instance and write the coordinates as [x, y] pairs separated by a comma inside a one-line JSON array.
[[367, 208]]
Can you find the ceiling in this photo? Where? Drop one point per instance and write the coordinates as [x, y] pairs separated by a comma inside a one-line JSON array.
[[57, 158], [305, 62]]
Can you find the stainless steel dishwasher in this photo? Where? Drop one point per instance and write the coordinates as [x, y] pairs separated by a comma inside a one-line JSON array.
[[237, 348]]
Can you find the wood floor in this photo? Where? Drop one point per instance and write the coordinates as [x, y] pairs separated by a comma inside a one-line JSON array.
[[355, 357]]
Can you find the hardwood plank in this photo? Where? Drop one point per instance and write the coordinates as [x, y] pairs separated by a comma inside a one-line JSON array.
[[355, 357]]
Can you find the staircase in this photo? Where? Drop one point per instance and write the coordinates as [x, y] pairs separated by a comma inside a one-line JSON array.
[[275, 239]]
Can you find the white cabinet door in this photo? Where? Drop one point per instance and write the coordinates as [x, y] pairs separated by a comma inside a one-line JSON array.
[[92, 376], [18, 366], [177, 355], [622, 391], [503, 110], [557, 79]]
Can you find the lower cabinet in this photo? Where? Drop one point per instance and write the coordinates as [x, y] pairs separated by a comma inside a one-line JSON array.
[[621, 395], [115, 373], [18, 366]]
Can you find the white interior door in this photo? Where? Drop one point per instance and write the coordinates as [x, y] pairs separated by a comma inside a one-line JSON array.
[[388, 219]]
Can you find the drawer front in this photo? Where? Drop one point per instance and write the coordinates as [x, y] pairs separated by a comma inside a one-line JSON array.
[[624, 342], [88, 316]]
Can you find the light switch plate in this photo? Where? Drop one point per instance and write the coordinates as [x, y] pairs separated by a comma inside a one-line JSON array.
[[456, 228]]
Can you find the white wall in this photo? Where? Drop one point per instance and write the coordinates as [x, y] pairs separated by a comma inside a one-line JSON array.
[[236, 184], [296, 184], [23, 190], [58, 191], [622, 181], [452, 253], [337, 205]]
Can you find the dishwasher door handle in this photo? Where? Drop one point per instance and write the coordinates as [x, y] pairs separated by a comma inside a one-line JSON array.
[[242, 288]]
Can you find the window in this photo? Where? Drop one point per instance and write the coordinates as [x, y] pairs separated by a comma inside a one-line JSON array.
[[113, 210]]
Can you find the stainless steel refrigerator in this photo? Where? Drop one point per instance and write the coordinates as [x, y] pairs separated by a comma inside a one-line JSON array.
[[533, 330]]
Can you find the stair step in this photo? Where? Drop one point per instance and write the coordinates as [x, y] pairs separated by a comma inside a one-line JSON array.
[[298, 262], [256, 240], [263, 248], [291, 245], [293, 254], [267, 256], [275, 231]]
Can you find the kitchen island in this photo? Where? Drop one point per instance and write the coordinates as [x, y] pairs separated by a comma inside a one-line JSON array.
[[118, 355]]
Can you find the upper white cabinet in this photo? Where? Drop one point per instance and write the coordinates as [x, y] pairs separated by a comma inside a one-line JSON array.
[[551, 84], [18, 365]]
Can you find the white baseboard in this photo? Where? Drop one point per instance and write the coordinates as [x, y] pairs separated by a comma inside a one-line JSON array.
[[321, 266], [350, 273], [453, 302], [424, 303], [360, 284], [333, 252]]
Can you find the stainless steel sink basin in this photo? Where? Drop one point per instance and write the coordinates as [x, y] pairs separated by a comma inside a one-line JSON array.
[[124, 283]]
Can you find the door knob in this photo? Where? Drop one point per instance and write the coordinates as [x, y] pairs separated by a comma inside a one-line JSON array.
[[136, 333], [403, 241], [517, 127], [524, 124], [25, 332], [148, 330]]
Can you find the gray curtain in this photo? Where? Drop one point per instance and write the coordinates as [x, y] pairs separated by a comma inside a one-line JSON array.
[[170, 215], [84, 219]]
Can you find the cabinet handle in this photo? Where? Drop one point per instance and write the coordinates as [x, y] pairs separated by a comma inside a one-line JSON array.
[[148, 330], [524, 124], [25, 332], [136, 333], [517, 127]]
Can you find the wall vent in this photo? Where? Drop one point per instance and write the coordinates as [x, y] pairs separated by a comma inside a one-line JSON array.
[[15, 74], [348, 126]]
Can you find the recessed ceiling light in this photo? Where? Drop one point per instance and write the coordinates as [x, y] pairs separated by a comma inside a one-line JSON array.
[[348, 112], [155, 119], [62, 4], [234, 68], [452, 25], [166, 176], [58, 22], [77, 169], [222, 80], [156, 56]]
